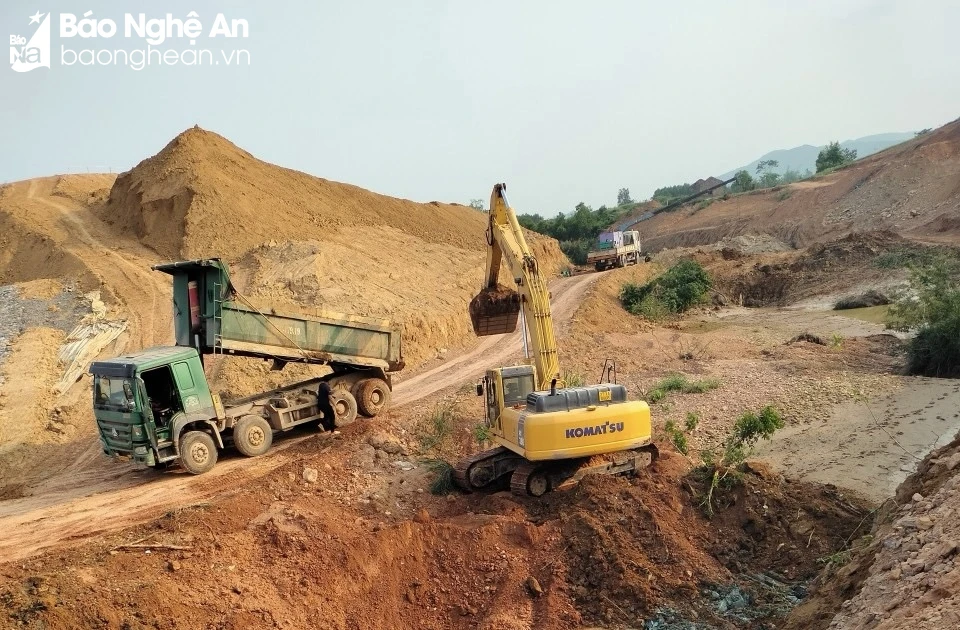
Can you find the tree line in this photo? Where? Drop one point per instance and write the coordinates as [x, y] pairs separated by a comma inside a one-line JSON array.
[[577, 231]]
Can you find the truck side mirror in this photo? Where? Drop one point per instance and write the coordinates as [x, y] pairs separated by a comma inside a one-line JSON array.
[[479, 389]]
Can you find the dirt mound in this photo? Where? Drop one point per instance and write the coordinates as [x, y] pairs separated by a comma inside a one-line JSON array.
[[778, 279], [289, 553], [909, 188], [640, 546], [204, 196], [302, 242]]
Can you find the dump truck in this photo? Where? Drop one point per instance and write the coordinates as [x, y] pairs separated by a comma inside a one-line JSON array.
[[156, 407], [615, 249]]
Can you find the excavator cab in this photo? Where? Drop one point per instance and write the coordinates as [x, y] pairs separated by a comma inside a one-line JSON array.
[[506, 387]]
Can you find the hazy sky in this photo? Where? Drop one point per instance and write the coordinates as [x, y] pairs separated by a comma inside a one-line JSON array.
[[432, 100]]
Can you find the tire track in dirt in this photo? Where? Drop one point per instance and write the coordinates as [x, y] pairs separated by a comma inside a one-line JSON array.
[[102, 497], [128, 275]]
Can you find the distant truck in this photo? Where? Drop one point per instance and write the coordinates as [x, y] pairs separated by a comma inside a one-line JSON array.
[[156, 406], [615, 249]]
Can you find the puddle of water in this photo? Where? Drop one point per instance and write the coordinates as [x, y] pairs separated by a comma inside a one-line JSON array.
[[875, 314]]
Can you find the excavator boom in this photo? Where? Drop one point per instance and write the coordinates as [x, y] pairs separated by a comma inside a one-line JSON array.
[[545, 434], [495, 309]]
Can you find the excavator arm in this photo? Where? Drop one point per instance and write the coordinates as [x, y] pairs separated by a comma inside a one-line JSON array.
[[495, 309]]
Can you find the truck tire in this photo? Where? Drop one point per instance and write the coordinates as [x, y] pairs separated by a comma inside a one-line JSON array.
[[373, 394], [252, 436], [344, 407], [198, 452]]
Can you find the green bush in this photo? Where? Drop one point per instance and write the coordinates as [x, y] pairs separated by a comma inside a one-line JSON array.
[[442, 482], [438, 425], [723, 469], [680, 383], [932, 309], [832, 156], [674, 291]]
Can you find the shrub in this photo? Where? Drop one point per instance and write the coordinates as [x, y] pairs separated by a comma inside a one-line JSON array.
[[443, 476], [482, 433], [438, 424], [932, 309], [674, 291], [677, 437], [722, 468], [574, 379], [832, 156], [680, 383]]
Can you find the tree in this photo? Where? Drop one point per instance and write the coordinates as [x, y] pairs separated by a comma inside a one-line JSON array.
[[789, 176], [765, 165], [832, 156], [668, 194], [477, 204], [766, 177], [743, 182], [623, 196], [932, 309]]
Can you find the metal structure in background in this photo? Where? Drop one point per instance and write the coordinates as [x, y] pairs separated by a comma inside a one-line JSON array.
[[626, 225]]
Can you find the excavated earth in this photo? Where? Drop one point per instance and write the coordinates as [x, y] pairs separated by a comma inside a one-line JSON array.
[[359, 529], [910, 188]]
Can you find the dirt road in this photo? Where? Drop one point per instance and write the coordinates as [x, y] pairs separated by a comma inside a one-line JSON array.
[[97, 496], [493, 351]]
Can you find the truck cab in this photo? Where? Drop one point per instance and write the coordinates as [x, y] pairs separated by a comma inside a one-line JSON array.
[[143, 402]]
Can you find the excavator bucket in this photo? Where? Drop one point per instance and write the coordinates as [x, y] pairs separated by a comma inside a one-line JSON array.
[[495, 311]]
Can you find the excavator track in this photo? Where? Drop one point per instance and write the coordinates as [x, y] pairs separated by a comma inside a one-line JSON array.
[[484, 469], [534, 479], [530, 480]]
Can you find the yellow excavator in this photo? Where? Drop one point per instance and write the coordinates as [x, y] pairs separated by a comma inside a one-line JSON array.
[[546, 434]]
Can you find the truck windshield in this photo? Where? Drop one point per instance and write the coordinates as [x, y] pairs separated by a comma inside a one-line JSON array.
[[516, 388], [113, 393]]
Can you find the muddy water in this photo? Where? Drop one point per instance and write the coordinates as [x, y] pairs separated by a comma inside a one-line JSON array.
[[870, 447], [875, 314]]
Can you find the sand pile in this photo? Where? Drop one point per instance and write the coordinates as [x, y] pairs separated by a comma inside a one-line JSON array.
[[202, 196], [300, 242], [909, 188]]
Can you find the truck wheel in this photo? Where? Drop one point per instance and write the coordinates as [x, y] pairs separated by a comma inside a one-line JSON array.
[[252, 436], [373, 394], [344, 407], [198, 453]]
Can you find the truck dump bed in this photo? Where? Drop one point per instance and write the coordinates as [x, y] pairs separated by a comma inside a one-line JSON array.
[[211, 316]]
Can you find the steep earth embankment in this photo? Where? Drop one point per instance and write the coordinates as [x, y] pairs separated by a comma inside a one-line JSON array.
[[912, 188], [298, 241], [293, 241]]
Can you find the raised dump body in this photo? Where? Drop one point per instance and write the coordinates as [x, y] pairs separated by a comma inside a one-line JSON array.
[[212, 317]]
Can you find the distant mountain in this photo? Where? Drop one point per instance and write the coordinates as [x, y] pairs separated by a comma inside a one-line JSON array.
[[805, 157]]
